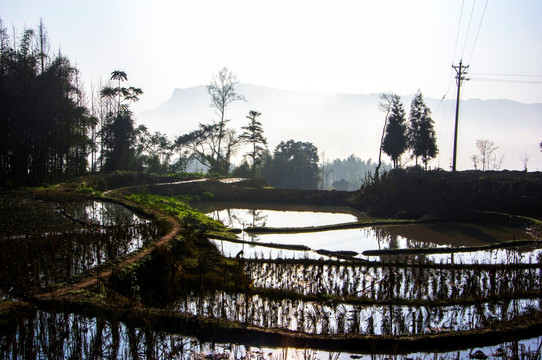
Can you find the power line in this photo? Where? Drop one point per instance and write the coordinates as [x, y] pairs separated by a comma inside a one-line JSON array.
[[458, 28], [509, 81], [478, 32], [455, 50], [513, 75], [468, 28]]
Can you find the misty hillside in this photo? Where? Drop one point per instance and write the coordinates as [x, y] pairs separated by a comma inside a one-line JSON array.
[[342, 124]]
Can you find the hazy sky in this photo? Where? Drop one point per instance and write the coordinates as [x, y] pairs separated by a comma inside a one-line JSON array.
[[340, 46]]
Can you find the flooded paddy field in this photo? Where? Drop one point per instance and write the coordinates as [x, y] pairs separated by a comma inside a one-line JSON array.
[[389, 282], [334, 317], [328, 282], [43, 243], [430, 240], [242, 215], [315, 285], [62, 335]]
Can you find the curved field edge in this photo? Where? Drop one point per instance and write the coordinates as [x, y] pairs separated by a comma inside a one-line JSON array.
[[81, 300], [348, 225], [217, 330], [489, 217]]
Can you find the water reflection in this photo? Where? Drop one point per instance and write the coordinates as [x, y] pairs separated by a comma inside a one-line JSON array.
[[46, 335], [398, 283], [430, 235], [339, 318], [354, 240], [101, 213], [30, 263], [242, 215]]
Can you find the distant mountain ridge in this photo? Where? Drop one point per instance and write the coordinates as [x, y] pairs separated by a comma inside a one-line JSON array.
[[344, 124]]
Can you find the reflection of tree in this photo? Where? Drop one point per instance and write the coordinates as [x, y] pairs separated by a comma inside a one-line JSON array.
[[385, 239], [54, 257], [388, 239], [58, 336], [242, 218], [258, 219]]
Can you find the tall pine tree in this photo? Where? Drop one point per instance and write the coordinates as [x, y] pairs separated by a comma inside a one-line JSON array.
[[421, 132], [395, 140], [253, 135]]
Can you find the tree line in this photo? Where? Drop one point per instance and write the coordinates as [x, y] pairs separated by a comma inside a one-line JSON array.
[[54, 130], [45, 125]]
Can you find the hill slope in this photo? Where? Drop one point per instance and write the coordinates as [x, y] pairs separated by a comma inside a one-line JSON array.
[[342, 124]]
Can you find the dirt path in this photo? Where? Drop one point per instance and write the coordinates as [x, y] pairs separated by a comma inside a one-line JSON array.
[[92, 280]]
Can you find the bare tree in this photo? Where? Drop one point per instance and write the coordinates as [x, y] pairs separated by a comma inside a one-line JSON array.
[[487, 158], [223, 93], [525, 161]]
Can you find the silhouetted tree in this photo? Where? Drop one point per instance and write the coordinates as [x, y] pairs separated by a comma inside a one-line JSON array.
[[525, 161], [421, 133], [45, 125], [293, 165], [119, 134], [395, 140], [385, 104], [201, 143], [243, 170], [253, 135], [203, 146], [223, 93], [152, 151]]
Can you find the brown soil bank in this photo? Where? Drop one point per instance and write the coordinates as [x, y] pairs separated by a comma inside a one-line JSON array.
[[411, 193]]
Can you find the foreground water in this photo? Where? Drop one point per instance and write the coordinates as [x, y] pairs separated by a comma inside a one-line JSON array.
[[322, 298], [47, 335], [357, 241], [79, 236]]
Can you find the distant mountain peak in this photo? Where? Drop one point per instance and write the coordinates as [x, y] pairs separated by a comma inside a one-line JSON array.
[[345, 124]]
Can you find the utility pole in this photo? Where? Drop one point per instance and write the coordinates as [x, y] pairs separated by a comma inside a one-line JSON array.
[[461, 71]]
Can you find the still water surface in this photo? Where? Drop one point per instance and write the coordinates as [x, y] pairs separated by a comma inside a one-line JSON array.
[[47, 335], [430, 235]]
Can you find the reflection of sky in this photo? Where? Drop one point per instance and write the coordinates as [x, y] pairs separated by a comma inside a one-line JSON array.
[[231, 249], [85, 331], [359, 240], [103, 213], [240, 218], [372, 238], [294, 315]]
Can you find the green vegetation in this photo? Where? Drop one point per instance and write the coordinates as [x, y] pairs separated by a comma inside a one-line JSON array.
[[179, 208], [85, 188]]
